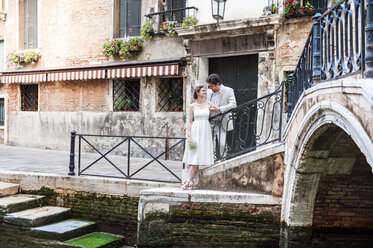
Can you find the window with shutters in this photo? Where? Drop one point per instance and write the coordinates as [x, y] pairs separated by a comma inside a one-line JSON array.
[[29, 97], [127, 18], [28, 24], [2, 112]]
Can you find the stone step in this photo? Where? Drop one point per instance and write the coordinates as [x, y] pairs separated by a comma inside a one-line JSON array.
[[64, 230], [99, 239], [37, 216], [8, 188], [15, 203]]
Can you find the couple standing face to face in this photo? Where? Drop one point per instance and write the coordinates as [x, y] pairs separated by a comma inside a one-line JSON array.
[[214, 83]]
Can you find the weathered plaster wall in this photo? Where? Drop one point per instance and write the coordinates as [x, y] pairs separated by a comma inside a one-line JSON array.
[[263, 175]]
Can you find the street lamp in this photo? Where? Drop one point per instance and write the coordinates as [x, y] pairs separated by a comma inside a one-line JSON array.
[[218, 8]]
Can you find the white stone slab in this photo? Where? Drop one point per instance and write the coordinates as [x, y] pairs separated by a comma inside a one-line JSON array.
[[19, 202], [37, 216], [8, 188], [210, 196], [63, 230]]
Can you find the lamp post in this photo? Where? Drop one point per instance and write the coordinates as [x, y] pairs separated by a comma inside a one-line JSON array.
[[218, 8]]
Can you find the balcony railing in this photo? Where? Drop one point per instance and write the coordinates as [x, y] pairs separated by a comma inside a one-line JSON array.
[[335, 48], [278, 7], [163, 20]]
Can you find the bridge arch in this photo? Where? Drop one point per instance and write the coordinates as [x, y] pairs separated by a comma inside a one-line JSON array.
[[330, 142]]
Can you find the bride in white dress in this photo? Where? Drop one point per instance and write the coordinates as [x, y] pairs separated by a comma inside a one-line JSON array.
[[199, 148]]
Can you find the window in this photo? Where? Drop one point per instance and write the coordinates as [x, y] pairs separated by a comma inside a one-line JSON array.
[[2, 112], [177, 16], [28, 12], [170, 95], [29, 97], [127, 18], [126, 95]]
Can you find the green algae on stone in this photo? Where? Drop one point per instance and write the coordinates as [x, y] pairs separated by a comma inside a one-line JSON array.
[[94, 240]]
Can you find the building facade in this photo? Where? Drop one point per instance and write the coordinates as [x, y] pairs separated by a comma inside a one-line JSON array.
[[72, 85]]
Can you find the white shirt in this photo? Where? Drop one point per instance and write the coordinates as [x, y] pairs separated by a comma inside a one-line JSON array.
[[215, 99]]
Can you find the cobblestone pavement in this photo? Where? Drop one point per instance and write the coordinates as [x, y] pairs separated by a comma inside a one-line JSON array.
[[27, 159]]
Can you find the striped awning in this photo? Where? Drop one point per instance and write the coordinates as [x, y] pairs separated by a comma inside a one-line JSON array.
[[144, 71], [132, 71], [76, 75], [24, 78]]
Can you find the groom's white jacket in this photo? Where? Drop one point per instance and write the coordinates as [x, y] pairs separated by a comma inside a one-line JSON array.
[[227, 102]]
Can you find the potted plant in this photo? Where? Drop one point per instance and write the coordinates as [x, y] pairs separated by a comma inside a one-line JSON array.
[[309, 7], [17, 59], [147, 31], [291, 6], [189, 21], [170, 30], [31, 56], [135, 44], [112, 47], [274, 9]]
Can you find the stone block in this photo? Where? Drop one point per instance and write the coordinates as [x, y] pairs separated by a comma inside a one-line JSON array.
[[64, 230], [8, 188], [21, 202], [37, 216]]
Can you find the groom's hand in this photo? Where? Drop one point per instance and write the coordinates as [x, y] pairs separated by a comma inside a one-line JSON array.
[[215, 109]]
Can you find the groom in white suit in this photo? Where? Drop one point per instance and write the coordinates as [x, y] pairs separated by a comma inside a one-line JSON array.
[[224, 100]]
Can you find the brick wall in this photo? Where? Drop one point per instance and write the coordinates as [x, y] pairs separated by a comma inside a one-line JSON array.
[[346, 200], [212, 225], [90, 95]]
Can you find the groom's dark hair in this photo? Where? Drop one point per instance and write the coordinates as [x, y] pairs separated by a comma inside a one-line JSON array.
[[214, 79]]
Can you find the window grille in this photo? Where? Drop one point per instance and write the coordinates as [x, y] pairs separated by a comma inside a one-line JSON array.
[[2, 112], [170, 95], [126, 95], [29, 97]]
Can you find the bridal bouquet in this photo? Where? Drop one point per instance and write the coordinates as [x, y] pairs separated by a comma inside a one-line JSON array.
[[192, 144]]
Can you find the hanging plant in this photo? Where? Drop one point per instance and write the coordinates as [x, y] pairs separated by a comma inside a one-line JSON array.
[[147, 31], [31, 56], [122, 49], [16, 58], [189, 21]]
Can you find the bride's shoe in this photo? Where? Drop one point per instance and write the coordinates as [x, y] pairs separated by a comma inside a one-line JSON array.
[[187, 185]]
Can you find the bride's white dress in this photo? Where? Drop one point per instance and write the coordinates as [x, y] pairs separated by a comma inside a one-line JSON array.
[[201, 134]]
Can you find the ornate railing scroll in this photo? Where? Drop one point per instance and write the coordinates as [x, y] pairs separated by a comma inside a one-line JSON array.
[[248, 126], [335, 48]]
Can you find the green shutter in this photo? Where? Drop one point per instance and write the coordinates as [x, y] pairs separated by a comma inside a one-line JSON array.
[[130, 18]]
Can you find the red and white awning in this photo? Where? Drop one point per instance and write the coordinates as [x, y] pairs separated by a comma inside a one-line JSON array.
[[24, 78], [132, 71], [144, 71], [76, 75]]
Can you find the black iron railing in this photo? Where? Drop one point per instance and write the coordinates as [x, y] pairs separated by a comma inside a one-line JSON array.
[[163, 21], [130, 142], [248, 126], [335, 48]]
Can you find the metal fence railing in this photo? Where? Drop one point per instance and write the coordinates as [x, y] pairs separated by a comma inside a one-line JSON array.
[[249, 125], [339, 45], [127, 166]]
